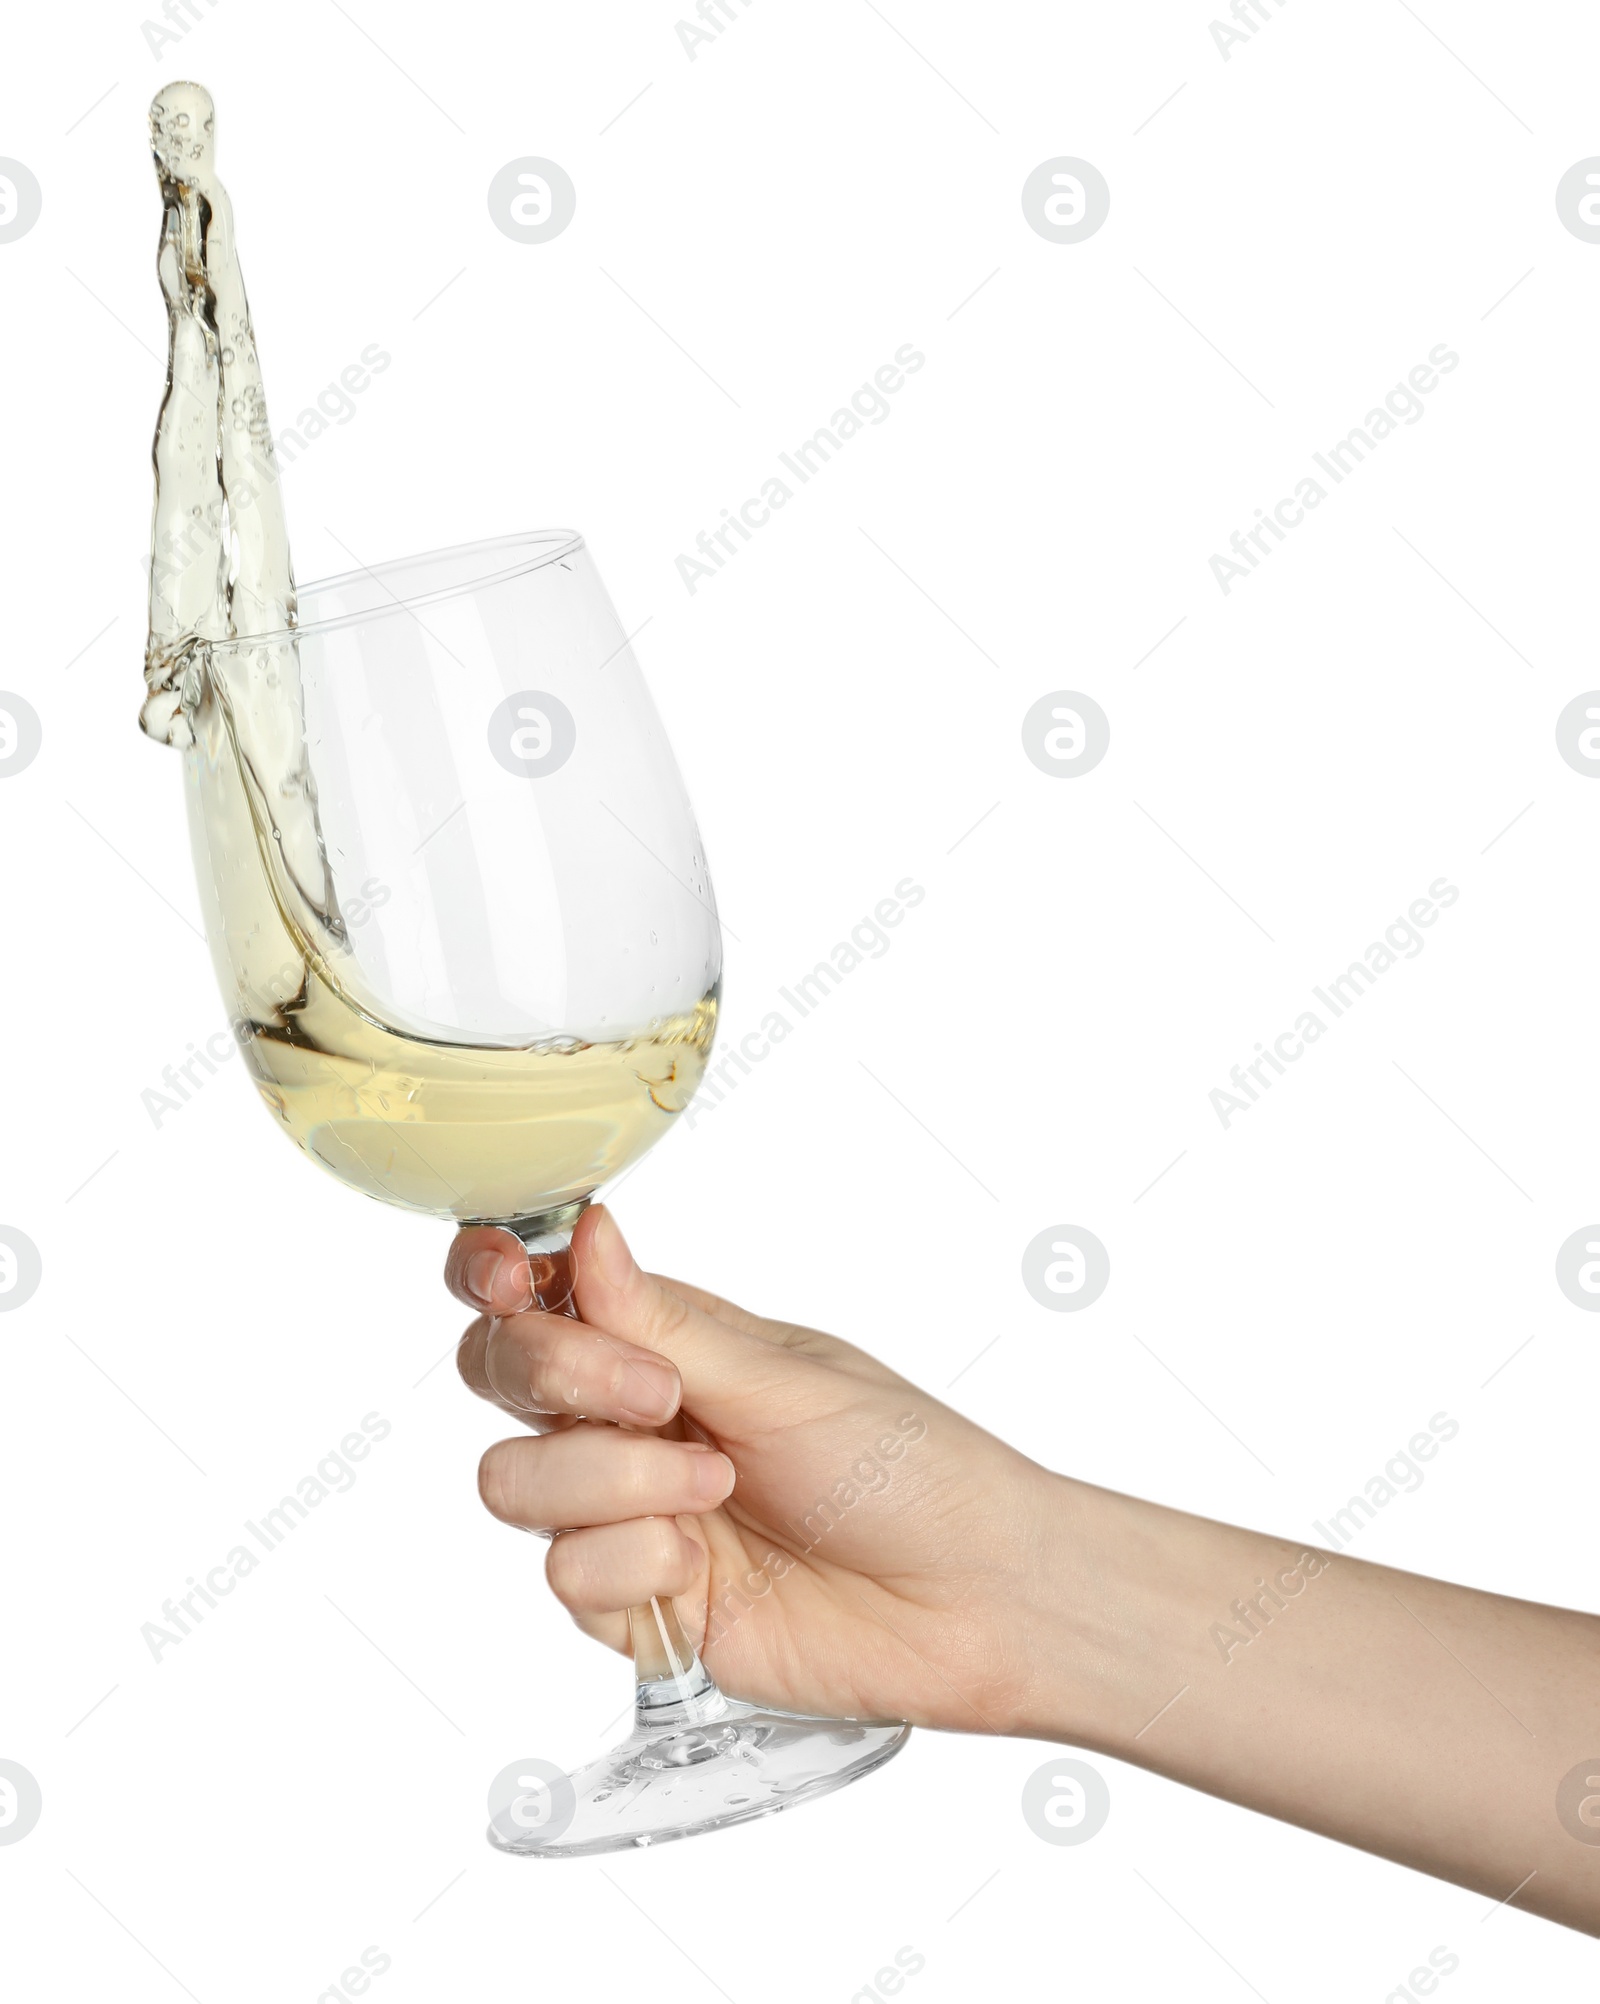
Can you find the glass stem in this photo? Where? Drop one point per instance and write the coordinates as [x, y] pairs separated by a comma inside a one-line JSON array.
[[672, 1686]]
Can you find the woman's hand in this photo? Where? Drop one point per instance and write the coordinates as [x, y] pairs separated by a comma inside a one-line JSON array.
[[836, 1541], [844, 1545]]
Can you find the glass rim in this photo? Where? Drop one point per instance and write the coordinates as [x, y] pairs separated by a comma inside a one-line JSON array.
[[544, 546]]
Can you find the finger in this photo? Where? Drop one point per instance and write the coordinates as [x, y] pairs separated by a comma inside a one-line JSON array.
[[487, 1268], [723, 1311], [552, 1364], [600, 1475], [616, 1566], [794, 1337], [470, 1362], [721, 1367], [469, 1358]]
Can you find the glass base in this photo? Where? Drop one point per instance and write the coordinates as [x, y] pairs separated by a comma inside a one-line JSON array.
[[713, 1764], [695, 1760]]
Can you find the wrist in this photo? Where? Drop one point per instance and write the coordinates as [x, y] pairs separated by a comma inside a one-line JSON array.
[[1105, 1630]]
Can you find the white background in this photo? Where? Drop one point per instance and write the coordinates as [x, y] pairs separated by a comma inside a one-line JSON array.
[[1291, 767]]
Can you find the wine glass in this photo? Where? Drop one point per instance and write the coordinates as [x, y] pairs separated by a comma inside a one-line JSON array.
[[461, 915]]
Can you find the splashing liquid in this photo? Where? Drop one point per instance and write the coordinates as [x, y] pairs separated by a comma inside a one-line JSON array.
[[449, 1129], [219, 553]]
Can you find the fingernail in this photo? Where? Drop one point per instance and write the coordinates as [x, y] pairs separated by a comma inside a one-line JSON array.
[[712, 1478], [649, 1390], [611, 1251], [487, 1270], [481, 1271]]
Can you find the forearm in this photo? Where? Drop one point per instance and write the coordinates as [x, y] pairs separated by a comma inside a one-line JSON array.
[[1427, 1722]]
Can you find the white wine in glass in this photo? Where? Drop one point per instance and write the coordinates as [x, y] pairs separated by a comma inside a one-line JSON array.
[[459, 910]]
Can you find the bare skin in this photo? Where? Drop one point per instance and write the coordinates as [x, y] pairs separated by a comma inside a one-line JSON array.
[[839, 1542]]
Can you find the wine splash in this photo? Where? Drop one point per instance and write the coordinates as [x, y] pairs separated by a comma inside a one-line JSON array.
[[219, 559]]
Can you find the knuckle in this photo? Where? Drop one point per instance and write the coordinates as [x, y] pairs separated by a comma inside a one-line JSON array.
[[498, 1483], [625, 1384], [505, 1363], [561, 1366], [640, 1476], [470, 1353], [668, 1556], [567, 1570], [669, 1312]]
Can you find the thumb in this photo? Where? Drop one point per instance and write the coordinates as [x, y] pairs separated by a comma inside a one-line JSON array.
[[721, 1367]]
